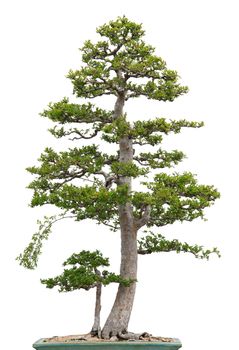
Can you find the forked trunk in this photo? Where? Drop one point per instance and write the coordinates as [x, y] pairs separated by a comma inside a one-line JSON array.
[[119, 316]]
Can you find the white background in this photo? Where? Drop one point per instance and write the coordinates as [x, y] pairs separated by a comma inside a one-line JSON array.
[[178, 295]]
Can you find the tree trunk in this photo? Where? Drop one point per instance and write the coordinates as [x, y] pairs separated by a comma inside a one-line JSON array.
[[96, 326], [119, 316]]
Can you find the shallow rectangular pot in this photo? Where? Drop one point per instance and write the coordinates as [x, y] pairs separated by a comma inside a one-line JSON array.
[[121, 345]]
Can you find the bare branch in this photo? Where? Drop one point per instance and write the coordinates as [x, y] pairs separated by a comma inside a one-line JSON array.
[[146, 210], [109, 178], [141, 143], [84, 179], [82, 136], [140, 161], [102, 173], [69, 178], [114, 52], [114, 227]]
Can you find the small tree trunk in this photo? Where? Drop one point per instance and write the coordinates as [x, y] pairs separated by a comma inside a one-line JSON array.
[[96, 331]]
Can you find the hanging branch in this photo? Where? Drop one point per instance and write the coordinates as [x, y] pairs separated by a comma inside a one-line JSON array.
[[30, 256]]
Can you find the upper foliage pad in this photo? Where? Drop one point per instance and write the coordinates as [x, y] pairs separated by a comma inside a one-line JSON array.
[[114, 64]]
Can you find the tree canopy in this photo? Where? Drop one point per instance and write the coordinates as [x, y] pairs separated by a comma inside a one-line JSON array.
[[85, 273]]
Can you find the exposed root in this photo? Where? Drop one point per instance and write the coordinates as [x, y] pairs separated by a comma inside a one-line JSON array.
[[134, 336], [96, 333], [145, 336], [121, 336]]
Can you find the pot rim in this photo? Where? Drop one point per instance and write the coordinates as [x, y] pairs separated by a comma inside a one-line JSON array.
[[41, 343]]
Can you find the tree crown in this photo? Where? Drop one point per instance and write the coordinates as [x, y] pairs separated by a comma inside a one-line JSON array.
[[113, 65], [85, 273], [85, 182]]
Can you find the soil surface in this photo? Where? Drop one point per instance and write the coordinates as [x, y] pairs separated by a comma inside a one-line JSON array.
[[145, 337]]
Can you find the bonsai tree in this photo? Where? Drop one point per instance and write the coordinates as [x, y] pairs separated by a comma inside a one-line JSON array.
[[85, 274], [87, 183]]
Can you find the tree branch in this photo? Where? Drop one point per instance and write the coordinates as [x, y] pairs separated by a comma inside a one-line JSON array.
[[82, 136], [29, 257], [69, 178], [114, 227], [109, 178], [141, 160], [144, 217], [156, 243]]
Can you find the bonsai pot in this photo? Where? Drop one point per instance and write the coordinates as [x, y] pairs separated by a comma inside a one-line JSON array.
[[175, 344]]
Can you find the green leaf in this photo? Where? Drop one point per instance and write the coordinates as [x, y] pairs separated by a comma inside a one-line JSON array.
[[156, 243]]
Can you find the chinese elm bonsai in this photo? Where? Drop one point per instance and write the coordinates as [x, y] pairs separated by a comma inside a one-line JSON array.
[[123, 65]]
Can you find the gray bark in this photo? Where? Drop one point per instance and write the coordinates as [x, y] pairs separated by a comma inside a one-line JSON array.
[[119, 316], [96, 326]]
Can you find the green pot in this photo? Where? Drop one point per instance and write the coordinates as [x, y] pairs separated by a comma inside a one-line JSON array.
[[122, 345]]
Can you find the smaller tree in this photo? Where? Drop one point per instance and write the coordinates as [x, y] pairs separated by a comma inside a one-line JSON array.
[[86, 273]]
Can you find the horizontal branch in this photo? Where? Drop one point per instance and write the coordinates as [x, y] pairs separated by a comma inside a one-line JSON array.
[[160, 159], [64, 112], [150, 132], [82, 134], [156, 243], [178, 197], [58, 168]]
